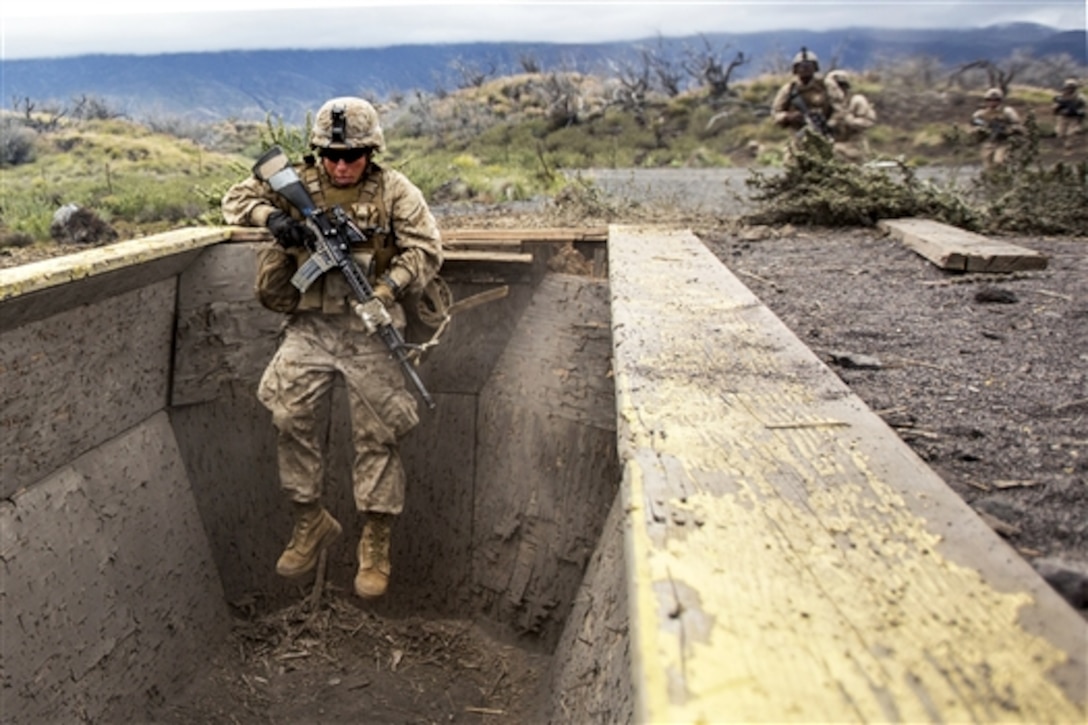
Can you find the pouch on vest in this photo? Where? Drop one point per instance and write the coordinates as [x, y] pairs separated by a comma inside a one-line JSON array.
[[275, 267]]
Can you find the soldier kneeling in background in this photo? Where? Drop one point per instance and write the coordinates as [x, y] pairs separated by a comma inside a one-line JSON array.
[[849, 128]]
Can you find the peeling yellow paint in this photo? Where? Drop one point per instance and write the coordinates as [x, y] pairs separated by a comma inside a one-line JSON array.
[[47, 273], [887, 628], [777, 573]]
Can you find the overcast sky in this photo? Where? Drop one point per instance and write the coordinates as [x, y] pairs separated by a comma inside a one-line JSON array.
[[45, 28]]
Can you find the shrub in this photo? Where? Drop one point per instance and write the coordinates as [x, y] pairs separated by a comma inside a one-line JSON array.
[[15, 239], [1027, 196], [818, 188], [16, 143]]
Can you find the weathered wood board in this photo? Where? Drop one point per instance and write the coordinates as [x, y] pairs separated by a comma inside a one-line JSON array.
[[959, 250], [545, 459], [468, 238], [586, 234], [49, 273], [788, 557]]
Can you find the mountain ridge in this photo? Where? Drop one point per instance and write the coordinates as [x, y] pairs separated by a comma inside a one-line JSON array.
[[253, 84]]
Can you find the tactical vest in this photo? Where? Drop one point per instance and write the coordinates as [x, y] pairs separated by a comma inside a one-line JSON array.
[[815, 96], [996, 123], [365, 204]]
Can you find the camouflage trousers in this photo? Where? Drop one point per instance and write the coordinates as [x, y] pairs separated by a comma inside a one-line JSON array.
[[296, 387], [1065, 128], [994, 153], [855, 150]]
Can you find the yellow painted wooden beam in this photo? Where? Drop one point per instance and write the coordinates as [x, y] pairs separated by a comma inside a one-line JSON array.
[[47, 273], [784, 569]]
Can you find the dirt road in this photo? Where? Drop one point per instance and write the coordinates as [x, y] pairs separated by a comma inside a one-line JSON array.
[[719, 192]]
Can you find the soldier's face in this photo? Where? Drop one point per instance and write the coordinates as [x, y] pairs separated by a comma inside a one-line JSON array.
[[345, 168], [805, 70]]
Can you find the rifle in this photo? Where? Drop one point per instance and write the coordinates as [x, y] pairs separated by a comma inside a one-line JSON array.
[[1068, 107], [996, 129], [813, 119], [335, 233]]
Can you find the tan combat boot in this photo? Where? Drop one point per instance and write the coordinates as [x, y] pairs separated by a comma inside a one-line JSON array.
[[315, 530], [374, 567]]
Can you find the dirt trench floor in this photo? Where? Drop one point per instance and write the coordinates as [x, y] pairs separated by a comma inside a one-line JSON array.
[[338, 663]]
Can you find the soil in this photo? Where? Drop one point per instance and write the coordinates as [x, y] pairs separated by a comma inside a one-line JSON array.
[[338, 663]]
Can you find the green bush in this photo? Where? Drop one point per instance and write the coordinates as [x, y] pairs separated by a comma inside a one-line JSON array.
[[16, 143], [818, 188]]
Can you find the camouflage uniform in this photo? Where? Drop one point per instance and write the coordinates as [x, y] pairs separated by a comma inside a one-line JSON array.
[[1069, 110], [849, 128], [818, 96], [995, 124], [323, 338]]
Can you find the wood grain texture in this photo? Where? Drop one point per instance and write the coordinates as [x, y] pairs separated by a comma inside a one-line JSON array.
[[546, 469], [956, 249], [801, 572], [26, 278]]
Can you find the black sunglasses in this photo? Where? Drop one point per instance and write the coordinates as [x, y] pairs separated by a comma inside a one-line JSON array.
[[348, 156]]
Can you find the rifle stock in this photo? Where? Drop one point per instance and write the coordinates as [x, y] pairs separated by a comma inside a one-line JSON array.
[[335, 233]]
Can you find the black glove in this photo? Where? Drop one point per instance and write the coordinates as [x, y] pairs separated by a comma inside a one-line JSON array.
[[289, 232]]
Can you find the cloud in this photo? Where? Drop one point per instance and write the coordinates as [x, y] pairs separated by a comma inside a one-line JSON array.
[[43, 29]]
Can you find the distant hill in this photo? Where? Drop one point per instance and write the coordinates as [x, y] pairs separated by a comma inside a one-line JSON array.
[[288, 83]]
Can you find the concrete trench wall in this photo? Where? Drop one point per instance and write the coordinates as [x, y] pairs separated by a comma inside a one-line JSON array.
[[140, 498]]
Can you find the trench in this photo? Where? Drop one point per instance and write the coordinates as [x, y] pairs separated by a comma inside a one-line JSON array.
[[142, 517]]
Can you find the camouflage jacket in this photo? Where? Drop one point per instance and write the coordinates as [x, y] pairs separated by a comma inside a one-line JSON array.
[[997, 124], [1071, 105], [824, 98], [858, 116], [405, 242]]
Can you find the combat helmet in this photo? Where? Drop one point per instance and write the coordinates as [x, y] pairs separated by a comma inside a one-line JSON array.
[[347, 123], [994, 94], [840, 77], [806, 55], [1070, 83]]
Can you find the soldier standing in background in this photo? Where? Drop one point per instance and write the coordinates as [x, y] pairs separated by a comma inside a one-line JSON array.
[[995, 123], [1069, 109], [324, 340], [849, 128], [807, 103]]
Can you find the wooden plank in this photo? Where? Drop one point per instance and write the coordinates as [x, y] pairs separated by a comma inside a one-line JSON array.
[[476, 255], [546, 468], [48, 273], [468, 236], [956, 249], [788, 557], [456, 251], [482, 244], [250, 234], [575, 234]]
